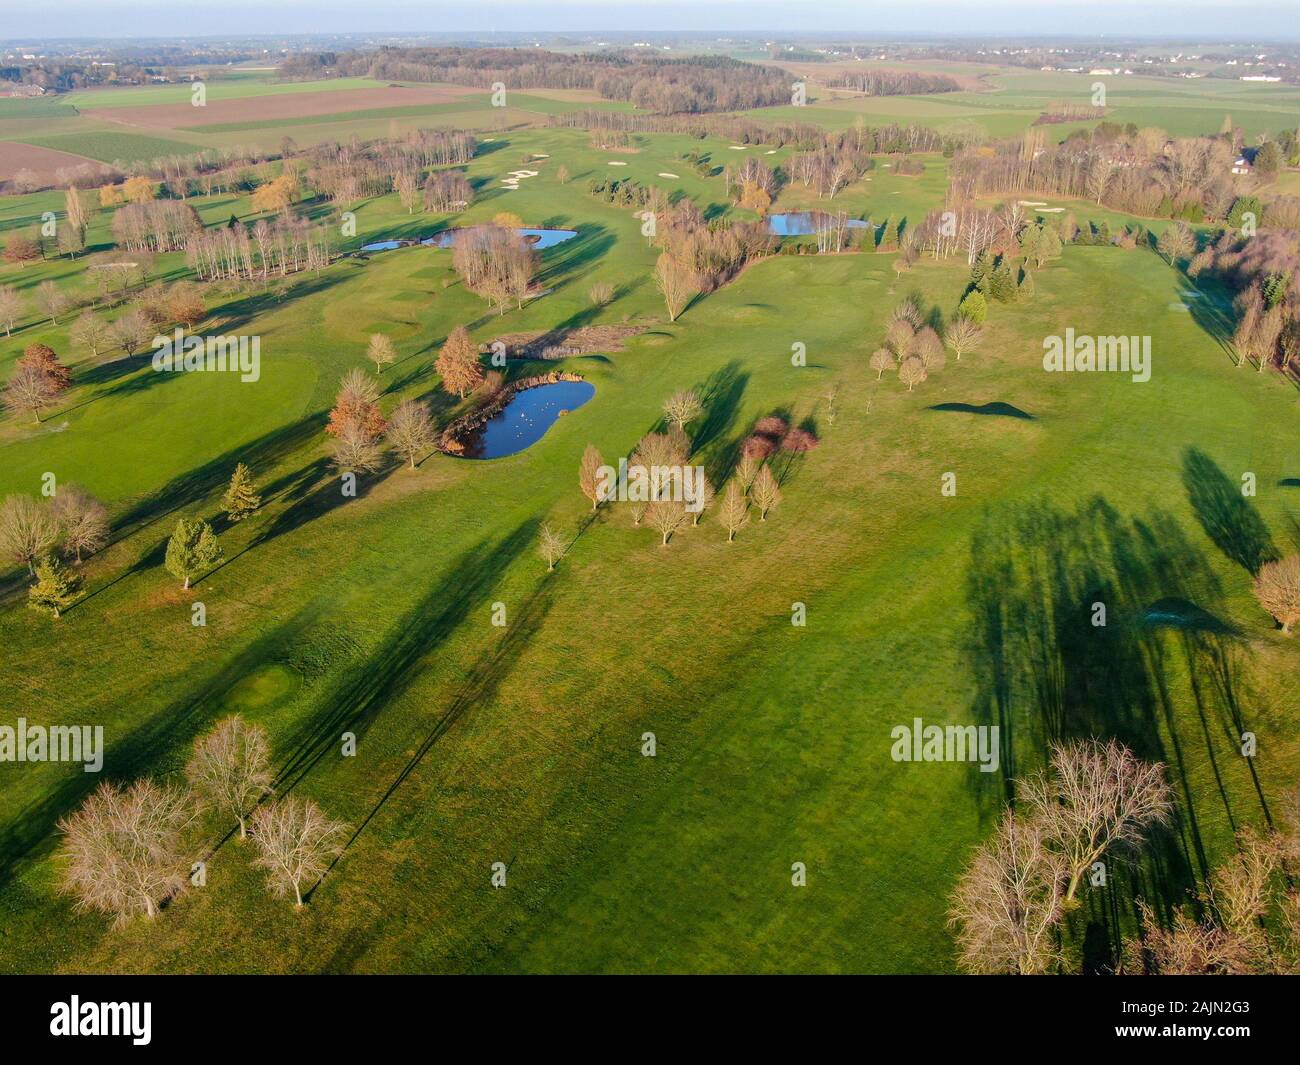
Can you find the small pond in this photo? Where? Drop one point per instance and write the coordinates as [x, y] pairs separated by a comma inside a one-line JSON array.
[[803, 224], [524, 420], [540, 239]]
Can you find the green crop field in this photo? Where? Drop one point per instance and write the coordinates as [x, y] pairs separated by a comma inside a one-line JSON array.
[[521, 743]]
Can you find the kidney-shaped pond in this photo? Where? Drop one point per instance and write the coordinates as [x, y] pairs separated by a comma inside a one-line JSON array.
[[524, 420]]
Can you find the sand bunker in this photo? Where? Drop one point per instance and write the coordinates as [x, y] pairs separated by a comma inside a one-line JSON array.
[[615, 162], [1050, 210], [664, 173], [739, 147], [511, 180], [1033, 203]]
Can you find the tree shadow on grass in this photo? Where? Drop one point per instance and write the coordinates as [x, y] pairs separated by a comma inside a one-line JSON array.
[[995, 409], [362, 693], [1228, 517], [1048, 671], [479, 687]]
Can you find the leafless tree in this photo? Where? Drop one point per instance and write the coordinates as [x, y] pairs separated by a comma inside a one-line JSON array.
[[666, 516], [82, 520], [1095, 796], [1277, 587], [132, 331], [882, 359], [900, 338], [589, 479], [91, 332], [705, 501], [125, 851], [601, 293], [51, 301], [734, 512], [410, 430], [550, 546], [30, 390], [357, 450], [963, 335], [747, 470], [766, 492], [682, 407], [380, 351], [1008, 902], [231, 767], [678, 284], [27, 530], [296, 842], [12, 305], [912, 372]]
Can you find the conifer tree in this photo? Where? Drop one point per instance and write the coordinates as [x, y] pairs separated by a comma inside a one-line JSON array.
[[192, 550], [56, 586], [241, 498]]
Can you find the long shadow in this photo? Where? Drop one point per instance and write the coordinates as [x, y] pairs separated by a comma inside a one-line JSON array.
[[480, 685], [1051, 668], [995, 409], [1210, 306], [360, 695], [1228, 517]]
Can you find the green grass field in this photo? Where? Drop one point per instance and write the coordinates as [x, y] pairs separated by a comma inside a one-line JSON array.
[[480, 744]]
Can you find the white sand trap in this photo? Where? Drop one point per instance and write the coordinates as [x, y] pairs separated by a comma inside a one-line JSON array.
[[1033, 203], [770, 151], [540, 155], [1050, 210], [664, 173], [886, 164], [615, 162], [740, 147]]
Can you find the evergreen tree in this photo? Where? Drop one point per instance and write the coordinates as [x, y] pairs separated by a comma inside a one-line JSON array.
[[1026, 284], [192, 549], [974, 307], [241, 498], [1002, 283], [981, 268], [1030, 242], [55, 586]]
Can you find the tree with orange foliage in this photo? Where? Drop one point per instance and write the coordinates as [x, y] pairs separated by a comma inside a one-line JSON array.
[[458, 363]]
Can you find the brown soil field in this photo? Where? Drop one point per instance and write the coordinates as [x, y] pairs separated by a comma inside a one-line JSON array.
[[278, 106], [15, 156]]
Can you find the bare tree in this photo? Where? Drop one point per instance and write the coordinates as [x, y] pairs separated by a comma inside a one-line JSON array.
[[682, 407], [1277, 587], [678, 284], [124, 850], [51, 301], [963, 335], [705, 501], [410, 430], [30, 390], [550, 546], [380, 351], [27, 530], [1096, 795], [912, 372], [734, 512], [601, 293], [666, 516], [747, 470], [132, 330], [82, 520], [589, 479], [296, 842], [1008, 902], [900, 338], [11, 307], [766, 492], [882, 359], [357, 450], [91, 332], [231, 767]]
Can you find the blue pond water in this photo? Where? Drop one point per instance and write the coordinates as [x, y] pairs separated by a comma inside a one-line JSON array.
[[538, 238], [524, 420], [802, 224]]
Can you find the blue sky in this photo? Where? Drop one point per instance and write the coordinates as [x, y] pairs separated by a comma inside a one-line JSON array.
[[1182, 19]]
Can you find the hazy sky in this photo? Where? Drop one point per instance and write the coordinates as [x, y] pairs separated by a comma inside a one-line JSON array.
[[1235, 19]]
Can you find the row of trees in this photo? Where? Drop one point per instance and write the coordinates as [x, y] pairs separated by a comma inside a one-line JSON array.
[[127, 851], [286, 246]]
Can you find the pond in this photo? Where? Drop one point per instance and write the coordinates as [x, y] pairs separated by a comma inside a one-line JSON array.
[[524, 420], [541, 239], [803, 223]]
